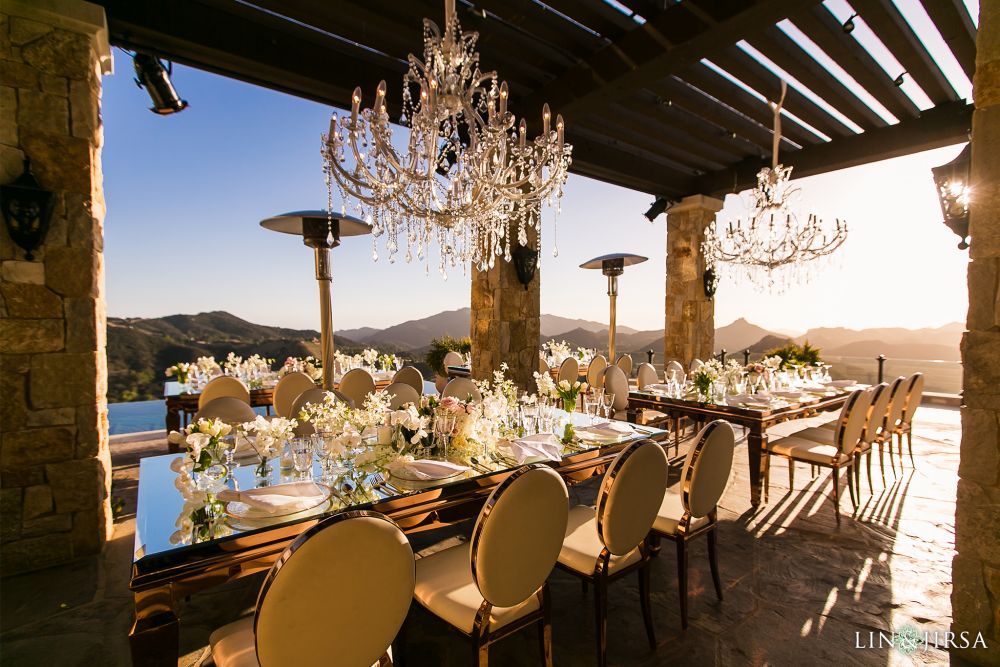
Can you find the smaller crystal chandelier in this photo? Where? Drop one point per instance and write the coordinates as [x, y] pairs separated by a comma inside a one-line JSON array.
[[772, 247], [469, 175]]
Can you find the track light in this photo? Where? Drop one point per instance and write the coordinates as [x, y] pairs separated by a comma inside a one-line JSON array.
[[849, 24], [151, 75], [898, 81], [656, 208]]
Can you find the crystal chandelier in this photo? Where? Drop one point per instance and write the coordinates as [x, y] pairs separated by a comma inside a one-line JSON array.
[[773, 247], [468, 175]]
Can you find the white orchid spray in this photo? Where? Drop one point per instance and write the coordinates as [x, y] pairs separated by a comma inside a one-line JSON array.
[[202, 441], [181, 370], [559, 351], [370, 356], [545, 384], [233, 364], [208, 367], [266, 436]]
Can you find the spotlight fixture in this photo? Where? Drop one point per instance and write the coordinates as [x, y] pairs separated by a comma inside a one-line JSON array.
[[155, 78], [656, 208], [849, 24], [898, 81]]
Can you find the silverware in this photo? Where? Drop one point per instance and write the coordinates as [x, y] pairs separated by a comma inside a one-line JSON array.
[[479, 466], [378, 481]]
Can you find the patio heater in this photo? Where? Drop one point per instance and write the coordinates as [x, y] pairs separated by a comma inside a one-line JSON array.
[[320, 231], [613, 266]]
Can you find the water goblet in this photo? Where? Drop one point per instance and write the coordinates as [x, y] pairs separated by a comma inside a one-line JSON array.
[[229, 444], [444, 424], [608, 401], [302, 455]]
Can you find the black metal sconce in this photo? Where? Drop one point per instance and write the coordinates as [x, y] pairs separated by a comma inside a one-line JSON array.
[[952, 181], [525, 263], [27, 210], [711, 282]]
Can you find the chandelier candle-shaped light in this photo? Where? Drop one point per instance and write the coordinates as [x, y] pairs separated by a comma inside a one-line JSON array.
[[772, 246], [469, 174]]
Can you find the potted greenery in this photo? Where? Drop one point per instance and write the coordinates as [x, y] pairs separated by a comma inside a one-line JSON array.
[[439, 348]]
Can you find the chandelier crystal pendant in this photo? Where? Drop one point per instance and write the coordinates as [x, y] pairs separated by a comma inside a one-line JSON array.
[[468, 175], [773, 246]]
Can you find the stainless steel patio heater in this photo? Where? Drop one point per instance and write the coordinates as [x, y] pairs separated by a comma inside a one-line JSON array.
[[612, 266]]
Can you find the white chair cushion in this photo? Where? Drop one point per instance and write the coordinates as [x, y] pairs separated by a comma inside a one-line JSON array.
[[671, 512], [233, 644], [806, 450], [582, 545], [824, 435], [445, 588]]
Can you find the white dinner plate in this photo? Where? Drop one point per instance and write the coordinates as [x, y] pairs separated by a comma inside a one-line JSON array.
[[242, 511]]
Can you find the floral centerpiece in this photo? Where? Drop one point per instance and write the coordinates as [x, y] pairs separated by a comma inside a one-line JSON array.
[[545, 384], [733, 375], [266, 436], [203, 441], [704, 379], [558, 351], [388, 362], [309, 365], [370, 356], [198, 519], [180, 370], [568, 392]]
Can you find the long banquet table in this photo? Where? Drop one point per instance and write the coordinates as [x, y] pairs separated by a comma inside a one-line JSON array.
[[170, 564], [755, 420]]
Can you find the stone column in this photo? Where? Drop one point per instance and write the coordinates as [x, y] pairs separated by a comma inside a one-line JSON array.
[[975, 595], [55, 469], [689, 330], [505, 322]]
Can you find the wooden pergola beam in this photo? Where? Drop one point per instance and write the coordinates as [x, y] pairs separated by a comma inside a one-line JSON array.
[[952, 20], [943, 125]]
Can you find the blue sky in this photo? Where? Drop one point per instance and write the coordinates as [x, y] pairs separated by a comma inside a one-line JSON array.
[[185, 194]]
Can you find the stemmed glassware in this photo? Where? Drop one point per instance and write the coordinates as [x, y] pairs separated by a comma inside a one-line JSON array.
[[529, 416], [608, 400], [444, 424], [302, 455]]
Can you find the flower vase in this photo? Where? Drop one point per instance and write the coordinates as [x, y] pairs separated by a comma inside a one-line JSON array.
[[569, 404], [262, 471]]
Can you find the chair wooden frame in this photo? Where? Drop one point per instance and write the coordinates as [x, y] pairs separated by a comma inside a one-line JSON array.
[[835, 464], [884, 436], [904, 427], [481, 636], [684, 532], [601, 577]]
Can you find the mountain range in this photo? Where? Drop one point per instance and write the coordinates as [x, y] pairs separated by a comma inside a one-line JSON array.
[[139, 349]]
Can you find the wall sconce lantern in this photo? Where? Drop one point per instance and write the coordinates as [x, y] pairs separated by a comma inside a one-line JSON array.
[[711, 282], [525, 263], [27, 210], [952, 181]]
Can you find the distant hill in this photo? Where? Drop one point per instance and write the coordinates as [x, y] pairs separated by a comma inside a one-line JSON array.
[[553, 326], [741, 334]]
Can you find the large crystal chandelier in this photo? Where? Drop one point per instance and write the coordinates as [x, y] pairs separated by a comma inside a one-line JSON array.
[[468, 175], [773, 246]]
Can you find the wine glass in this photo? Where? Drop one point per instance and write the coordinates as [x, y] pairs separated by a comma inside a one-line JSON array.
[[302, 455], [444, 424], [609, 404], [229, 444]]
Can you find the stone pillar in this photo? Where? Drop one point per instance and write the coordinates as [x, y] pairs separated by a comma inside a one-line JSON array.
[[55, 468], [975, 594], [689, 330], [505, 322]]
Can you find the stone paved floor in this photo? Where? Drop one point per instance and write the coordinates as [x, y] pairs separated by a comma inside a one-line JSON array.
[[798, 590]]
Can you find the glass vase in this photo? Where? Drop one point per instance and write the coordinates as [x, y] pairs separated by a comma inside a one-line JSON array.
[[569, 404]]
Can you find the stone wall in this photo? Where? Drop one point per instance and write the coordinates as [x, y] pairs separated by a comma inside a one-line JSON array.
[[976, 568], [689, 330], [505, 322], [54, 458]]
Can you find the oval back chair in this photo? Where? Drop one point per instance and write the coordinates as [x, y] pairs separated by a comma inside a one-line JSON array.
[[624, 362], [227, 408], [412, 376], [645, 375], [356, 384], [616, 383], [569, 370], [463, 389], [401, 393], [595, 371], [287, 390], [223, 385]]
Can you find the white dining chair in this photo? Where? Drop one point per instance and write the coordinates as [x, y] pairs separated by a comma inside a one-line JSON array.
[[357, 384], [463, 389], [595, 371], [695, 365], [494, 585], [897, 404], [616, 383], [412, 376], [227, 408], [605, 543], [315, 396], [287, 390], [690, 509], [569, 370], [675, 367], [452, 358], [624, 362], [224, 385], [914, 395], [309, 613], [543, 366], [401, 393], [645, 375], [836, 455]]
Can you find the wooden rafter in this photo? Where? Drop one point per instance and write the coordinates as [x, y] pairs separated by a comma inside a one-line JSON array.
[[956, 27]]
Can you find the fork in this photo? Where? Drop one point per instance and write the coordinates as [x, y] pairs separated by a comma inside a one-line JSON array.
[[378, 482]]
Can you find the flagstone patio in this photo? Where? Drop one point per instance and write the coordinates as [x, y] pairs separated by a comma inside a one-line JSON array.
[[797, 589]]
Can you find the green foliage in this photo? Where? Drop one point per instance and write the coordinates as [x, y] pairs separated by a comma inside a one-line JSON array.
[[442, 346], [795, 355]]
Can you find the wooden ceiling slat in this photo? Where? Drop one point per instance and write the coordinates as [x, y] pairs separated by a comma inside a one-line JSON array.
[[777, 46], [596, 15], [956, 27], [700, 76], [544, 24], [647, 120], [941, 126], [821, 27], [765, 82], [613, 71], [696, 104], [654, 149], [608, 160], [890, 26]]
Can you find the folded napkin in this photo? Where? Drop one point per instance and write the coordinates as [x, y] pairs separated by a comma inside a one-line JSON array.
[[423, 469], [841, 383], [657, 387], [293, 497], [612, 429], [546, 445], [752, 399], [793, 395]]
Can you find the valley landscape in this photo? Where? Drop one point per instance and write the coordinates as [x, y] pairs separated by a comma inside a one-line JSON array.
[[139, 349]]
